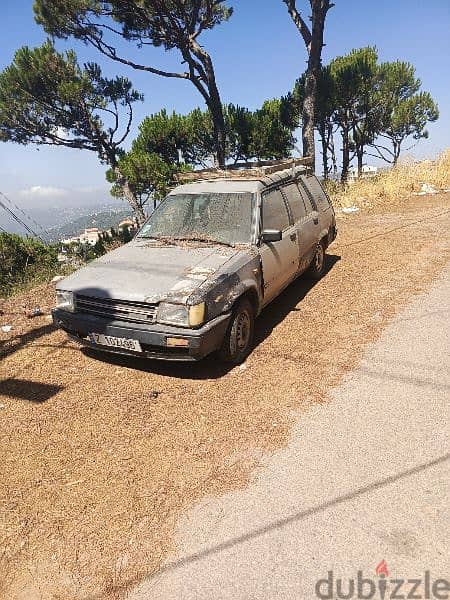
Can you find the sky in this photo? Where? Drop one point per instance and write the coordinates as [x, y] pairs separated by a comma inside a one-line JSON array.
[[257, 54]]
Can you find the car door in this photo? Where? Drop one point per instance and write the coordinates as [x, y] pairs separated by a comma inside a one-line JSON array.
[[303, 215], [310, 227], [279, 259]]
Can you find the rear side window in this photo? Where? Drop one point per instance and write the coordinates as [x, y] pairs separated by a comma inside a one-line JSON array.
[[310, 202], [275, 214], [295, 201], [318, 193]]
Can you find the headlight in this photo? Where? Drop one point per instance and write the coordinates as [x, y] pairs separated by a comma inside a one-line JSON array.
[[183, 316], [64, 300], [173, 314]]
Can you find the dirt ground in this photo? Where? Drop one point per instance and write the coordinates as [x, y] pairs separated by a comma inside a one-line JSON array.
[[100, 455]]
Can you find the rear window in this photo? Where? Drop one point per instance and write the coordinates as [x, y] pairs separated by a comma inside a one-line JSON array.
[[308, 198], [317, 192], [295, 201], [275, 215]]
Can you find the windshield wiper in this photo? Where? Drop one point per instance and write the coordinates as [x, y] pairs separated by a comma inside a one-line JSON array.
[[162, 240]]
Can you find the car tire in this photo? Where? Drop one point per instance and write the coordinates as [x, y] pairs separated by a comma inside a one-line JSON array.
[[317, 266], [237, 343]]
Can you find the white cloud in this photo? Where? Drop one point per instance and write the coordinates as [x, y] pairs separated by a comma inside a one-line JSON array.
[[42, 191], [92, 189]]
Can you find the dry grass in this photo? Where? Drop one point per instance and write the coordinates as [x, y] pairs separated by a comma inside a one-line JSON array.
[[100, 457], [394, 185]]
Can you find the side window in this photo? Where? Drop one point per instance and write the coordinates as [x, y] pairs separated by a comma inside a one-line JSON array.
[[275, 214], [318, 193], [310, 202], [295, 201]]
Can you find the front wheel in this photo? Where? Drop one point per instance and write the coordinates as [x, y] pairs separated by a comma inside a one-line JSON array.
[[238, 339]]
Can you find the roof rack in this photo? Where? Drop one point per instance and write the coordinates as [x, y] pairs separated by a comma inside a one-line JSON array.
[[246, 170]]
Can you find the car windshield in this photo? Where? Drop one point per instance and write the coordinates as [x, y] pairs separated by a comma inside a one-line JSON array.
[[224, 218]]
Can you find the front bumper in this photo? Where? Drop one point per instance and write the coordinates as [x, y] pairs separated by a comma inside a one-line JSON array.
[[153, 338]]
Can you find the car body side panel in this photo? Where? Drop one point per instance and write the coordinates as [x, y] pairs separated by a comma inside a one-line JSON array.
[[279, 260], [280, 263], [240, 275], [308, 232], [315, 195]]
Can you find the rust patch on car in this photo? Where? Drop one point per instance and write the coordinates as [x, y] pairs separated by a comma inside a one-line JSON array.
[[200, 273]]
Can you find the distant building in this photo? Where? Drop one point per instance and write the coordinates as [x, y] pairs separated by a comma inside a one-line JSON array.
[[367, 171], [71, 240], [90, 236]]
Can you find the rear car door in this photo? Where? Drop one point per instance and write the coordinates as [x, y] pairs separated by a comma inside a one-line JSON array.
[[327, 219], [306, 219], [280, 260]]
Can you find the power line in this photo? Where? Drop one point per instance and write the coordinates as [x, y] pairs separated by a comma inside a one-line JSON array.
[[24, 213], [18, 220]]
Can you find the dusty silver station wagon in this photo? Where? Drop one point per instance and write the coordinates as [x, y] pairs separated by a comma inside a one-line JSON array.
[[206, 262]]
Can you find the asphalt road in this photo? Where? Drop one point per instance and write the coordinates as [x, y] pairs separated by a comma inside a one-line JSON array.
[[364, 479]]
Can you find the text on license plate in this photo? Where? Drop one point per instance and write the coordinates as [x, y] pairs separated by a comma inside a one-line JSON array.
[[115, 342]]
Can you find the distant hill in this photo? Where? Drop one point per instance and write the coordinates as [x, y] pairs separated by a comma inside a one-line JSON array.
[[103, 219]]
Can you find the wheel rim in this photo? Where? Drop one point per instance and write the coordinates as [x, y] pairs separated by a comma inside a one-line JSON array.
[[319, 258], [243, 329]]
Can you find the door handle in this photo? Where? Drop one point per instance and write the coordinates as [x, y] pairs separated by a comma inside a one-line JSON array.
[[293, 237]]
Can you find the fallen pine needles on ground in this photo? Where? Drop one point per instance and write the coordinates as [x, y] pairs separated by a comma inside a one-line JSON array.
[[101, 456]]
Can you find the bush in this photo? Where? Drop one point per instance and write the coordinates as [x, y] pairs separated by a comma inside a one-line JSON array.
[[24, 261], [393, 185]]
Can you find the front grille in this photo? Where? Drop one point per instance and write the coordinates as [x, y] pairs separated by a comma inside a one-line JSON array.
[[118, 310]]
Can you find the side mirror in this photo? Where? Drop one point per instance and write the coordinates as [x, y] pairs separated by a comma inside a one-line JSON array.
[[271, 235]]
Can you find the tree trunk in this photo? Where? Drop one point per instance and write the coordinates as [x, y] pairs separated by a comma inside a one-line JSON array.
[[129, 195], [345, 154], [360, 157], [319, 9], [219, 132], [396, 153], [332, 148], [308, 142], [314, 43], [205, 69], [324, 143]]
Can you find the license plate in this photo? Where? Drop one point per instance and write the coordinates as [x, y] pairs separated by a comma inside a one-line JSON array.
[[115, 342]]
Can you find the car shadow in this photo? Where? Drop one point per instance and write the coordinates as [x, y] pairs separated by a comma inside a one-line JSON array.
[[210, 367], [32, 391], [287, 302]]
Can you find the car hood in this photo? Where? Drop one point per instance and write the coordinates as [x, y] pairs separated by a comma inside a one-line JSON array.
[[145, 272]]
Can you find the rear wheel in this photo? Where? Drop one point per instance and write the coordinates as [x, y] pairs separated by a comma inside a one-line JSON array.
[[238, 339], [316, 268]]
